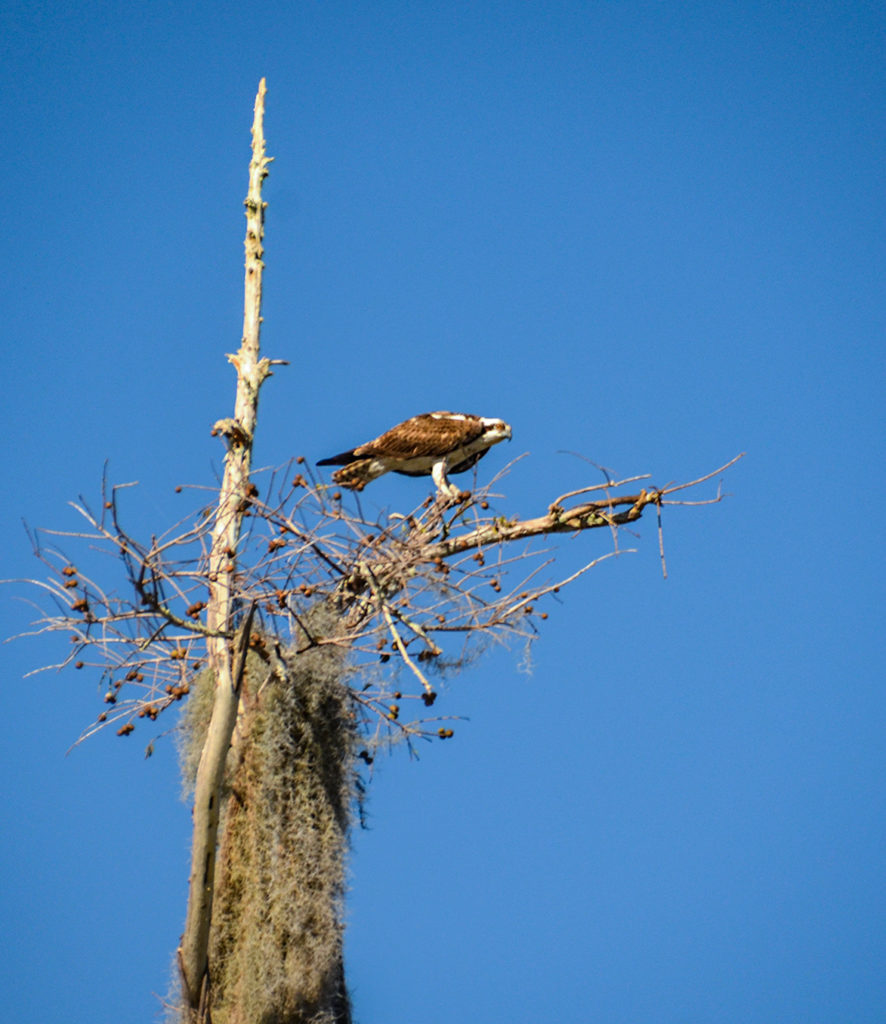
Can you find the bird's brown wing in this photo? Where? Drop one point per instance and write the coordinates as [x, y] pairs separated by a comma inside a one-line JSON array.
[[428, 434]]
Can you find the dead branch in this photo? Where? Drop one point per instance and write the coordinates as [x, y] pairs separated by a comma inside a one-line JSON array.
[[233, 502]]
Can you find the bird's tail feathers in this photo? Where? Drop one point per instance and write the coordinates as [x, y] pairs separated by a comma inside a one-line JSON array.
[[342, 459]]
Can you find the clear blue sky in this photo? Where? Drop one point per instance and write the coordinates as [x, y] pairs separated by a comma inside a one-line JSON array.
[[650, 233]]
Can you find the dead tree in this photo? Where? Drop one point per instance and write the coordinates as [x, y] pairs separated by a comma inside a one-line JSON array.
[[226, 653], [282, 613]]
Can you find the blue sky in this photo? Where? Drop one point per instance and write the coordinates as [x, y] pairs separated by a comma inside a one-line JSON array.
[[648, 233]]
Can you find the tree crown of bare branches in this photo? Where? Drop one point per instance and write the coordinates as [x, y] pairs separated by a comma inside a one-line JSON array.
[[407, 587]]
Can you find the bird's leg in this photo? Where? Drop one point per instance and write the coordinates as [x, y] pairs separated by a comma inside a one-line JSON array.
[[446, 489]]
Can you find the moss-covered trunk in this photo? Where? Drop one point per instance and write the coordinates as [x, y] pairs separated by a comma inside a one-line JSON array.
[[275, 953]]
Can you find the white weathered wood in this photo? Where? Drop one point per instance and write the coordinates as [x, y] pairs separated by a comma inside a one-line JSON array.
[[225, 652]]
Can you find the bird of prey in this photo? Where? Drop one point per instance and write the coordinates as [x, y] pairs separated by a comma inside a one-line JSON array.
[[432, 444]]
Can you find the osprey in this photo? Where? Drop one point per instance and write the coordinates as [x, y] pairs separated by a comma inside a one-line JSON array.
[[435, 443]]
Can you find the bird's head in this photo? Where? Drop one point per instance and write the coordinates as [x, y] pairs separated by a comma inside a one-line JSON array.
[[496, 430]]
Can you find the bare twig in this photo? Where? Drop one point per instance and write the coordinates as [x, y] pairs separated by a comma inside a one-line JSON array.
[[705, 478]]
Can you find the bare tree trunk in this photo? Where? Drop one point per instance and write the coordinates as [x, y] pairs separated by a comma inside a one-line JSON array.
[[226, 657]]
